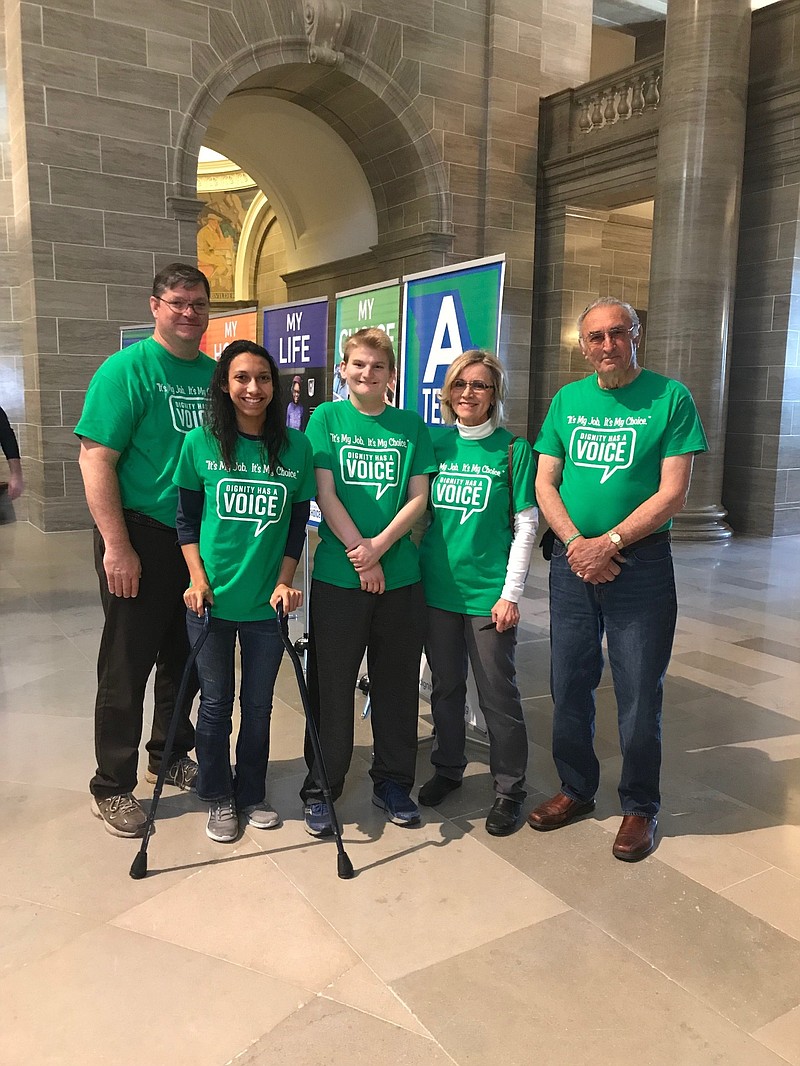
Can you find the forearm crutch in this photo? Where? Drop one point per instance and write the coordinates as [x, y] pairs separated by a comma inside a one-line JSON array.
[[343, 865], [139, 865]]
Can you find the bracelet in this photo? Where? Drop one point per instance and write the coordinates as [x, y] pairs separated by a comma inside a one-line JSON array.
[[573, 537]]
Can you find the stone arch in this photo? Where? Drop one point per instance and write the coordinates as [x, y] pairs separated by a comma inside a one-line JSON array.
[[362, 103]]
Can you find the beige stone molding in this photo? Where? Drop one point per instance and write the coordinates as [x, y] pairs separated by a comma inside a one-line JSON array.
[[325, 23]]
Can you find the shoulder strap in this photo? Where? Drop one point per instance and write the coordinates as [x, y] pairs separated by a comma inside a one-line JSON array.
[[511, 484]]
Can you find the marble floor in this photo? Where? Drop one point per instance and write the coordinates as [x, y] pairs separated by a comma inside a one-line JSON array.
[[449, 946]]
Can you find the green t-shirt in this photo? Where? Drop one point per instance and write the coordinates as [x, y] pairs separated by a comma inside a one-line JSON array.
[[372, 459], [246, 514], [142, 402], [612, 442], [464, 554]]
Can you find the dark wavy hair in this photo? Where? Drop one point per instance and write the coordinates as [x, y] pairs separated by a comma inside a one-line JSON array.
[[221, 421]]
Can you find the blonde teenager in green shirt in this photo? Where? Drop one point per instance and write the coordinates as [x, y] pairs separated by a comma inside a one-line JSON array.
[[372, 463]]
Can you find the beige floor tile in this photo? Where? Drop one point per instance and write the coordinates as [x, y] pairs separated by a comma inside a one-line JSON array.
[[673, 923], [46, 695], [69, 743], [331, 1034], [29, 931], [772, 895], [564, 993], [361, 988], [419, 895], [259, 920], [783, 1036], [779, 845], [73, 864], [26, 808], [711, 861], [118, 997]]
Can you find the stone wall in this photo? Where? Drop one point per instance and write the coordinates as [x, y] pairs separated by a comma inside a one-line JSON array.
[[762, 447], [437, 100], [11, 376]]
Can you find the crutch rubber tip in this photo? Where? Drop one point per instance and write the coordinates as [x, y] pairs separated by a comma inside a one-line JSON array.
[[139, 866], [343, 867]]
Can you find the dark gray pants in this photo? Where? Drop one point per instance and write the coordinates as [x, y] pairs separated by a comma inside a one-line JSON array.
[[452, 639]]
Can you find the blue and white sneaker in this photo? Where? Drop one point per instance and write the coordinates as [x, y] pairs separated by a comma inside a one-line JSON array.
[[318, 819], [398, 804]]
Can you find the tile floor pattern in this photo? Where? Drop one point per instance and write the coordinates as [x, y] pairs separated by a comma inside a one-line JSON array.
[[449, 946]]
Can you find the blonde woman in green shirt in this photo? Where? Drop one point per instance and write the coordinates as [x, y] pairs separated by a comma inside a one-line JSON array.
[[474, 560]]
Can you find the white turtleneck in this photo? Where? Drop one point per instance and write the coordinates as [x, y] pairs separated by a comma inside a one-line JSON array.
[[525, 525]]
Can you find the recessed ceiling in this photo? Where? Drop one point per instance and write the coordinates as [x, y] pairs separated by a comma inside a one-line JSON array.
[[631, 13], [628, 12]]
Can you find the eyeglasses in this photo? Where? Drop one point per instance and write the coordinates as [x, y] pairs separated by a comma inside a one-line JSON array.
[[180, 307], [597, 337], [459, 385]]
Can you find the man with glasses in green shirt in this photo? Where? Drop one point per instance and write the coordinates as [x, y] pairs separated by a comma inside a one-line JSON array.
[[615, 460], [139, 406]]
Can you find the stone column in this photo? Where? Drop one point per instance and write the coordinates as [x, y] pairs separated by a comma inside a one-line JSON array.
[[696, 226]]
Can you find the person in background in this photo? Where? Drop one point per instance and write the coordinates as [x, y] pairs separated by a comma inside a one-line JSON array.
[[139, 406], [245, 481], [15, 485], [295, 412], [474, 558], [372, 463]]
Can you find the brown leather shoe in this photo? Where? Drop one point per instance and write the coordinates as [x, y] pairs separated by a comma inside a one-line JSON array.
[[558, 811], [636, 838]]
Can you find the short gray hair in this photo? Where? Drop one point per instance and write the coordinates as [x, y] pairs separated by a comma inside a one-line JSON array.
[[612, 301]]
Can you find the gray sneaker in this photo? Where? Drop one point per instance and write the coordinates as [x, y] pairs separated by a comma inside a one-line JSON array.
[[182, 774], [261, 816], [223, 822], [122, 815]]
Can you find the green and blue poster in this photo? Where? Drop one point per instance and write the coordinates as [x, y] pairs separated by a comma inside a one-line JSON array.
[[375, 305], [447, 312]]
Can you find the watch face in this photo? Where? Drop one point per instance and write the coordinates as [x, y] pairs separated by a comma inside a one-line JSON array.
[[616, 538]]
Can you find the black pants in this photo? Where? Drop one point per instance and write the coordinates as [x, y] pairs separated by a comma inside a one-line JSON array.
[[391, 628], [139, 633]]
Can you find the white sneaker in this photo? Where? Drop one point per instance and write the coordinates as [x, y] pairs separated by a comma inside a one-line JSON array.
[[223, 822], [261, 816]]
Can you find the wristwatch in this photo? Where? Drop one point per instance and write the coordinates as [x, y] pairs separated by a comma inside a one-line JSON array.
[[616, 539]]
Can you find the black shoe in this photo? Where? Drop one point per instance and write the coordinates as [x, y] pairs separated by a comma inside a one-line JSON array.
[[503, 816], [434, 791]]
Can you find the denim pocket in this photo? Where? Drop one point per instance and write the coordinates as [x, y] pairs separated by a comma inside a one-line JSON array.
[[652, 553], [558, 550]]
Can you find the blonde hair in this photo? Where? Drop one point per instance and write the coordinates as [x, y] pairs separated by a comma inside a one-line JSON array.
[[471, 358], [370, 337]]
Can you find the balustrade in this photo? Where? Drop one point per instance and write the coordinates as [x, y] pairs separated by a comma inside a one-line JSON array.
[[619, 98]]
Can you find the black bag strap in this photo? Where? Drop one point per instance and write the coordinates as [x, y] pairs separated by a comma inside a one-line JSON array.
[[511, 484]]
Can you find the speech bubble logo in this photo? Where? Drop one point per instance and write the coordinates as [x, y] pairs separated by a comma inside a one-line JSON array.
[[261, 502], [187, 411], [608, 450], [370, 466], [468, 493]]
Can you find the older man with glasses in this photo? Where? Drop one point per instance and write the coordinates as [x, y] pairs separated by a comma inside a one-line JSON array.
[[139, 405], [615, 461]]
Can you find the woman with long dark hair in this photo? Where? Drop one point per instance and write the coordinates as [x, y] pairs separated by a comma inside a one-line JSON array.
[[245, 481]]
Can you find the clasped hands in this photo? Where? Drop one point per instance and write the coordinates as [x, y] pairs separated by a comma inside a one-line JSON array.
[[594, 560], [365, 557]]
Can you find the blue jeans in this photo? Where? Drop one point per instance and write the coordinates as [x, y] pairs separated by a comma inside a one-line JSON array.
[[261, 650], [637, 611]]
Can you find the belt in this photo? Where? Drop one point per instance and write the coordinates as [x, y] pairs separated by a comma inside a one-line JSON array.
[[140, 519], [664, 537]]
